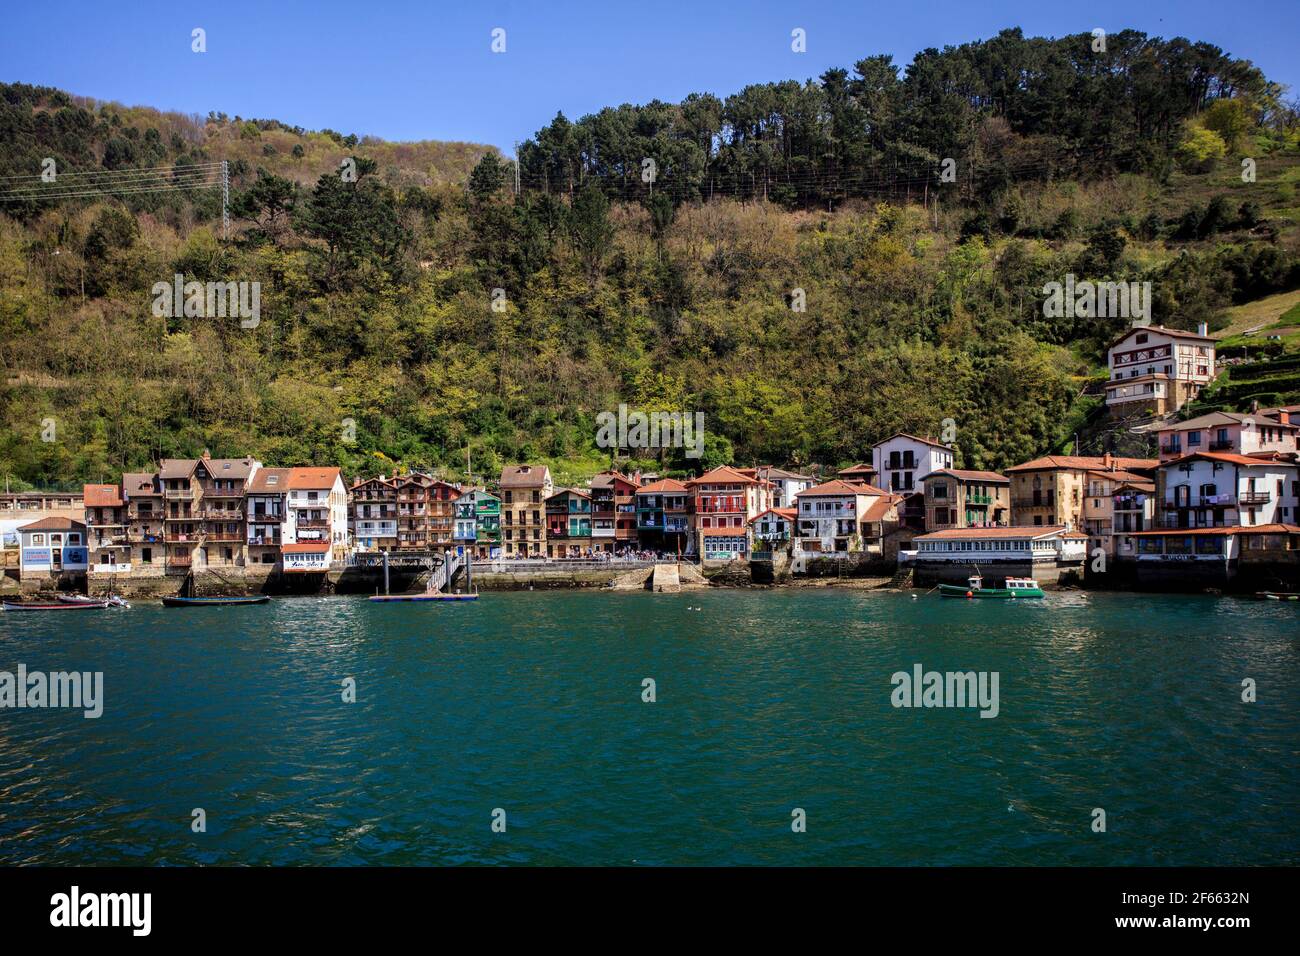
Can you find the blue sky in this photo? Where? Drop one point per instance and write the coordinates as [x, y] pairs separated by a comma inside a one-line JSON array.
[[425, 70]]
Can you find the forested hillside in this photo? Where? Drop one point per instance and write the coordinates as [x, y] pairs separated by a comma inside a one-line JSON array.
[[796, 267]]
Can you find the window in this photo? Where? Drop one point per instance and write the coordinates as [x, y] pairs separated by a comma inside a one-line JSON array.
[[1141, 338]]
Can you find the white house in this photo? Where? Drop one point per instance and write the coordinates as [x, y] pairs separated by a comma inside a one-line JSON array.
[[1156, 368], [1233, 432], [316, 510], [785, 485], [829, 516], [1219, 489], [902, 460], [51, 547], [305, 556], [773, 526]]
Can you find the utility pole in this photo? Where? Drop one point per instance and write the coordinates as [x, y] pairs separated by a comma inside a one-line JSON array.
[[516, 167], [225, 199]]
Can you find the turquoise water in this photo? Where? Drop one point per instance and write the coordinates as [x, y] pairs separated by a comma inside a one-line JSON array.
[[766, 702]]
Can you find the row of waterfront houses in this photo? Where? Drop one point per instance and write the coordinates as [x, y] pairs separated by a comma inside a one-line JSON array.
[[1221, 482], [1215, 475]]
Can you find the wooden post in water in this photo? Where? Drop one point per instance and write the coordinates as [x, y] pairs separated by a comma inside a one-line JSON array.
[[385, 572]]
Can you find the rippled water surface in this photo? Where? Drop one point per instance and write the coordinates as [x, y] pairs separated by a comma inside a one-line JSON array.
[[767, 701]]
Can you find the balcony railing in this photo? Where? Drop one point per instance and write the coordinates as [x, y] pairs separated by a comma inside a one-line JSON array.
[[979, 499], [1255, 497], [1173, 449], [1221, 446]]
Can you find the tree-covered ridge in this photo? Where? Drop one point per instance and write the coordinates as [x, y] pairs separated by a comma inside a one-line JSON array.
[[1006, 109], [404, 320]]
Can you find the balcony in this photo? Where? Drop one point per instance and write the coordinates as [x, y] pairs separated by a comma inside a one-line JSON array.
[[1221, 446], [1255, 497], [178, 494], [979, 499], [1172, 449]]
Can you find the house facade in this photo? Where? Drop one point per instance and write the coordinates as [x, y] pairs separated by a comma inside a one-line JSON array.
[[373, 506], [316, 510], [784, 484], [829, 516], [524, 490], [723, 501], [203, 523], [108, 540], [1236, 433], [146, 521], [1218, 489], [902, 461], [266, 515], [613, 512], [663, 516], [51, 548], [960, 498], [1158, 370], [568, 524], [1050, 491], [773, 528], [1116, 505]]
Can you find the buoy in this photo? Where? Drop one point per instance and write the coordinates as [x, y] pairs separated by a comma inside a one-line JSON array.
[[969, 594]]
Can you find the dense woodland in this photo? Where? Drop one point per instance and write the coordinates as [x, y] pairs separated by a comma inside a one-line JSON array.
[[379, 346]]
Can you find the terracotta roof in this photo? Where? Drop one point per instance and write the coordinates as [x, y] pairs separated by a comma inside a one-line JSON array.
[[608, 479], [1221, 456], [1084, 463], [102, 496], [917, 438], [1206, 421], [661, 486], [262, 483], [524, 476], [140, 485], [1019, 531], [54, 524], [306, 547], [381, 479], [962, 474], [787, 513], [867, 489], [313, 478], [864, 468], [722, 475], [1176, 333], [580, 492], [1231, 529], [837, 487], [880, 508]]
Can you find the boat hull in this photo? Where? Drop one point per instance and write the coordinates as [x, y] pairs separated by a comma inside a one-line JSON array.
[[213, 601], [958, 591], [75, 606]]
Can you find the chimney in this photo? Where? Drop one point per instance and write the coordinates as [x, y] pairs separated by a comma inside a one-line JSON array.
[[1283, 417], [1107, 462], [1203, 328]]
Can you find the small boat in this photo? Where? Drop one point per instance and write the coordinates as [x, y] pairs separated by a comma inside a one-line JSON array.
[[1277, 596], [428, 596], [90, 605], [1013, 588], [112, 600], [213, 601]]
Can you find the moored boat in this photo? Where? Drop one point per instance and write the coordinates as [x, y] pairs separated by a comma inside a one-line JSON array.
[[112, 600], [974, 588], [213, 601], [90, 605]]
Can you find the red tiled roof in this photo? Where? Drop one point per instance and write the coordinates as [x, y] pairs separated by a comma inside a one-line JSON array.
[[1230, 529], [54, 524], [1084, 463], [661, 486], [880, 508], [722, 475], [102, 496], [306, 547], [1119, 476], [1220, 456], [312, 478], [1019, 531], [787, 513], [864, 468], [837, 487]]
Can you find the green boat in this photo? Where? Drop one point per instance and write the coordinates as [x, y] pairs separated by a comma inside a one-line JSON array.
[[974, 588]]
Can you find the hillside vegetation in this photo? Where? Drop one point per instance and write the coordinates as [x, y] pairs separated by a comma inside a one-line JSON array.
[[797, 269]]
